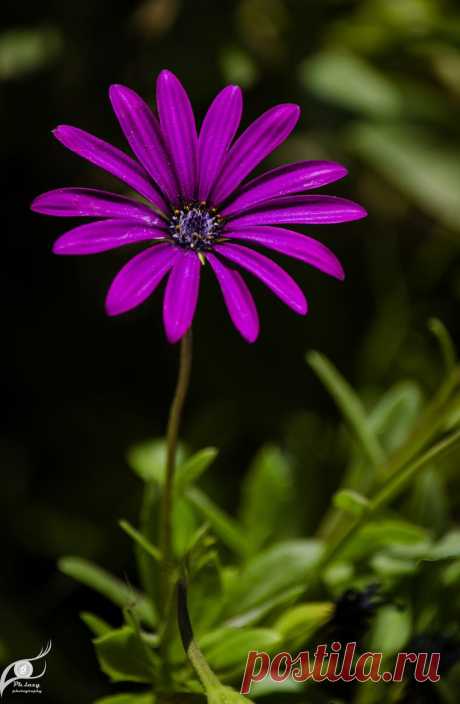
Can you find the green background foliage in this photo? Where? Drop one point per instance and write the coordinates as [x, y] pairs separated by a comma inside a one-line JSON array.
[[356, 437]]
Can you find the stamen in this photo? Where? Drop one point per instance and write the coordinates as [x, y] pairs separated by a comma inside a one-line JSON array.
[[196, 227]]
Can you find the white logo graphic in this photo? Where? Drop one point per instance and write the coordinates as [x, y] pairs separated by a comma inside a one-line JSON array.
[[23, 669]]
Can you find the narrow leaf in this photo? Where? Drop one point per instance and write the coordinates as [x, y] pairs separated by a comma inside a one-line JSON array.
[[112, 588], [349, 405]]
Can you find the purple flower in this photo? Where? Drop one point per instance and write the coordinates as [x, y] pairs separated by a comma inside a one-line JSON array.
[[198, 209]]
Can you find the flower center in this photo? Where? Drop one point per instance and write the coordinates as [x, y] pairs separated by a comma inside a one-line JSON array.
[[196, 227]]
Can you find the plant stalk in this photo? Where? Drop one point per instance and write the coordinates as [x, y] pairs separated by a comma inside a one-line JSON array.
[[172, 434]]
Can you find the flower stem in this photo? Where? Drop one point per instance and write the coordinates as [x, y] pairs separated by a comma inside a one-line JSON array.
[[172, 434]]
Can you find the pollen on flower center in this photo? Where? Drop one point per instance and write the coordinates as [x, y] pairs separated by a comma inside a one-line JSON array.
[[195, 226]]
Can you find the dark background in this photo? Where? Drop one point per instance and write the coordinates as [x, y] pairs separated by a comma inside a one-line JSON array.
[[379, 87]]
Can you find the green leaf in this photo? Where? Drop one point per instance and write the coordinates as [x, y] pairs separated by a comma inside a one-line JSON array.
[[387, 565], [272, 572], [138, 538], [185, 524], [23, 50], [428, 504], [385, 532], [426, 170], [447, 548], [446, 344], [112, 588], [226, 528], [227, 648], [194, 467], [148, 459], [267, 496], [299, 623], [391, 630], [128, 698], [350, 501], [123, 657], [395, 414], [349, 81], [96, 625], [350, 406]]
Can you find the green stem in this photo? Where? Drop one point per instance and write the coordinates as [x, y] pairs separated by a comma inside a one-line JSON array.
[[172, 434]]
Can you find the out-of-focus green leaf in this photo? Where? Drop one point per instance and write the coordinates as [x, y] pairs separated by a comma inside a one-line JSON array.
[[226, 528], [194, 467], [391, 630], [123, 657], [337, 575], [23, 50], [386, 565], [349, 405], [267, 496], [298, 624], [148, 459], [451, 574], [445, 341], [128, 698], [350, 501], [386, 532], [394, 416], [426, 170], [447, 548], [112, 588], [270, 573], [227, 648], [427, 504], [350, 81], [238, 67], [95, 623]]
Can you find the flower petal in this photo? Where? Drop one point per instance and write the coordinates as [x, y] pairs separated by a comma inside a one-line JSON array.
[[181, 295], [139, 278], [238, 299], [110, 159], [302, 210], [291, 178], [178, 126], [293, 244], [217, 131], [90, 202], [259, 140], [101, 235], [267, 271], [143, 133]]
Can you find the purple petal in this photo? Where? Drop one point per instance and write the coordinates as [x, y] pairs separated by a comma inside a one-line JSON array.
[[110, 159], [102, 235], [267, 271], [238, 299], [302, 210], [139, 278], [181, 295], [89, 202], [217, 131], [179, 129], [293, 244], [143, 133], [291, 178], [259, 140]]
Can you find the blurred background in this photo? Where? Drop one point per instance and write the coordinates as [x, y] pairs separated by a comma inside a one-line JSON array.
[[378, 82]]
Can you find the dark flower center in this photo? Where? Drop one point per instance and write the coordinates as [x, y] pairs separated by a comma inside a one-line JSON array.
[[195, 226]]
